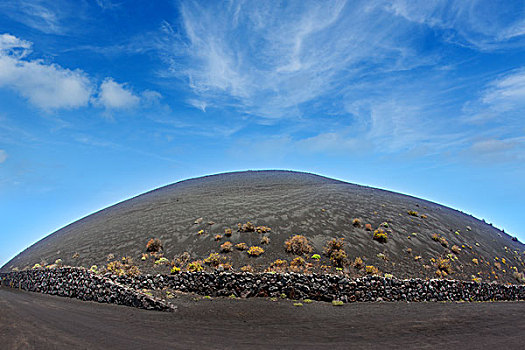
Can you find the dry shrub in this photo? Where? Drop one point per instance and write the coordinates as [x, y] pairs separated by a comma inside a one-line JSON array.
[[339, 258], [195, 266], [368, 227], [423, 216], [297, 262], [241, 246], [358, 263], [356, 222], [475, 261], [298, 245], [265, 240], [444, 266], [333, 245], [255, 251], [278, 266], [498, 265], [443, 242], [214, 259], [247, 227], [218, 237], [380, 235], [182, 259], [455, 249], [228, 232], [413, 213], [262, 229], [123, 267], [409, 250], [247, 268], [519, 276], [225, 266], [226, 247], [372, 270], [435, 237], [154, 245]]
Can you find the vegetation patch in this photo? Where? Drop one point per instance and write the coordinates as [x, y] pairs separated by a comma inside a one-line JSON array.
[[255, 251], [226, 247], [123, 267], [241, 246], [298, 245], [371, 270], [247, 227], [154, 245], [358, 263], [380, 235], [278, 265], [195, 266]]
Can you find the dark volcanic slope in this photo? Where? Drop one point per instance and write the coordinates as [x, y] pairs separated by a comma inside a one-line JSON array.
[[290, 203]]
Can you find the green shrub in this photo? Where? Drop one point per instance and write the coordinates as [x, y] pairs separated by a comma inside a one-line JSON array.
[[337, 303], [316, 256]]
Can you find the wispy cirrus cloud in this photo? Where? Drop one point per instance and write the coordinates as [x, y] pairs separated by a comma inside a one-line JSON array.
[[42, 15], [3, 156], [481, 24], [268, 60]]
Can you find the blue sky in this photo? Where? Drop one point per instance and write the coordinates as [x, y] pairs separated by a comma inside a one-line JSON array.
[[101, 100]]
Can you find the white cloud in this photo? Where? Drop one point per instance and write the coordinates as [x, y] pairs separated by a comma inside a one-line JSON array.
[[3, 156], [113, 95], [50, 86], [47, 86], [10, 44]]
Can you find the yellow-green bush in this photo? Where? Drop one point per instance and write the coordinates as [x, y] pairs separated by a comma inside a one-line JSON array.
[[255, 251]]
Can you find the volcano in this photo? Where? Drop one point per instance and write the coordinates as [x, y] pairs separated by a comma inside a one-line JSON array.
[[193, 218]]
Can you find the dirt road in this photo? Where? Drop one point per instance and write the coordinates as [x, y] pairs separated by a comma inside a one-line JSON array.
[[36, 321]]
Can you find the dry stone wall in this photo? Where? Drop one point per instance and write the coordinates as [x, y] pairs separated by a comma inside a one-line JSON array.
[[81, 284], [326, 287], [85, 285]]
